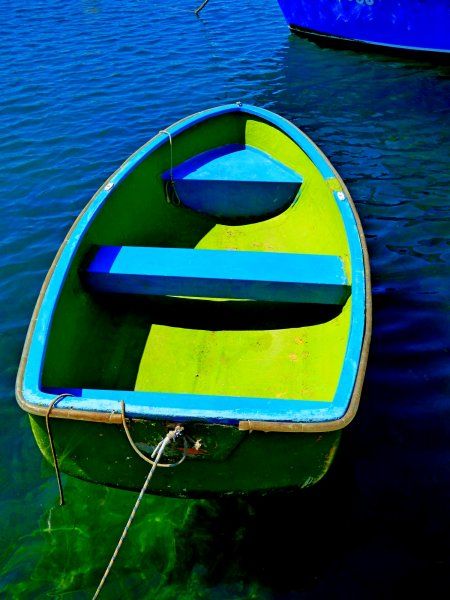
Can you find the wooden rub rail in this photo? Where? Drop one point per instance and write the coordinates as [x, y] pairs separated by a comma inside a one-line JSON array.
[[264, 276]]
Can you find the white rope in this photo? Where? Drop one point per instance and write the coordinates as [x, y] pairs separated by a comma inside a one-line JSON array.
[[170, 437], [169, 188], [167, 132], [141, 454]]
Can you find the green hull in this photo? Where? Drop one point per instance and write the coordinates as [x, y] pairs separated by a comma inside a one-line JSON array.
[[265, 386], [239, 462]]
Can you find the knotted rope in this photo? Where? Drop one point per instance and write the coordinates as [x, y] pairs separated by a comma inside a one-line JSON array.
[[52, 445], [158, 451], [141, 454]]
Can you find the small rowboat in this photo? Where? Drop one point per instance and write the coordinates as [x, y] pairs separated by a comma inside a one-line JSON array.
[[218, 281]]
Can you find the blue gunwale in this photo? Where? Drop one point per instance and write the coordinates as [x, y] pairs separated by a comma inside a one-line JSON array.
[[174, 406]]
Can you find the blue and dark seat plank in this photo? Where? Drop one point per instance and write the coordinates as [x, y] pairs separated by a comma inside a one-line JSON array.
[[232, 274], [235, 182]]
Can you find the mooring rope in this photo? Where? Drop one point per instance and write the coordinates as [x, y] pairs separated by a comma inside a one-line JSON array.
[[201, 7], [159, 451], [52, 445]]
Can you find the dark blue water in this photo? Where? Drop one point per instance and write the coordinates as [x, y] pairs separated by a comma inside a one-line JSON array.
[[83, 84]]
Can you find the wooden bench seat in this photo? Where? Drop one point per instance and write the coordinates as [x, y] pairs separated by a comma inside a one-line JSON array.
[[264, 276]]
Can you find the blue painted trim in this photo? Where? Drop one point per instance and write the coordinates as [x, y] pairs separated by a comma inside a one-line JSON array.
[[230, 409], [269, 409], [358, 298]]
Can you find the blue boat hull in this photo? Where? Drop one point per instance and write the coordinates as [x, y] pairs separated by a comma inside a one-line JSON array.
[[413, 26]]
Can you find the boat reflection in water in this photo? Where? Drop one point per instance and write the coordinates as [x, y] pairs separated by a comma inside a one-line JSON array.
[[407, 26]]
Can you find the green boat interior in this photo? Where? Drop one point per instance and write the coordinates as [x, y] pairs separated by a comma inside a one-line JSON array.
[[219, 265]]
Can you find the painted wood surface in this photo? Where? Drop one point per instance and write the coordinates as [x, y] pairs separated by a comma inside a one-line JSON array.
[[235, 182], [271, 276], [411, 26]]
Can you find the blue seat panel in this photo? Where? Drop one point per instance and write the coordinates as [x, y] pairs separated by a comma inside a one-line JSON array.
[[235, 182], [234, 162], [266, 276]]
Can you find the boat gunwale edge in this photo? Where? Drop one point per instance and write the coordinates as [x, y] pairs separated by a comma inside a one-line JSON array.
[[333, 40]]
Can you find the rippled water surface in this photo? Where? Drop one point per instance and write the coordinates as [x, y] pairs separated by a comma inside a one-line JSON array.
[[83, 84]]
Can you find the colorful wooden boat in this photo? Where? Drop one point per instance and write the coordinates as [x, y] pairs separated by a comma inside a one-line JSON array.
[[406, 26], [218, 280]]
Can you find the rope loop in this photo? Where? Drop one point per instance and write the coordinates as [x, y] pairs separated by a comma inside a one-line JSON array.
[[172, 436], [52, 404], [171, 193]]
